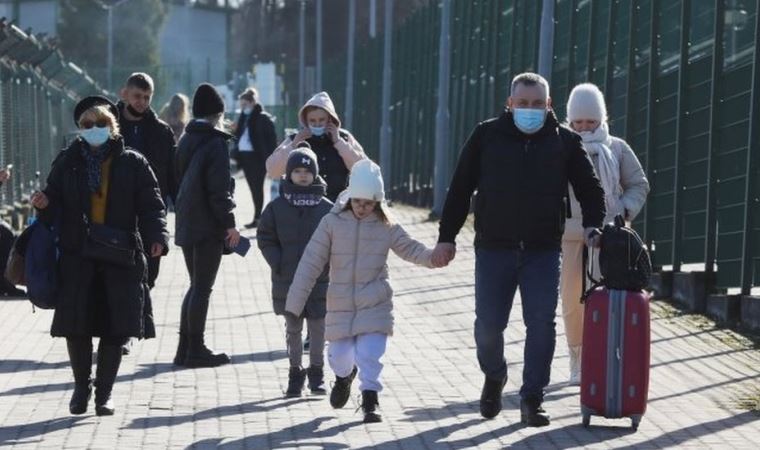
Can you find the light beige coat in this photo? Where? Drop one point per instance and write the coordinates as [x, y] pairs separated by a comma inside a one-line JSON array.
[[359, 297]]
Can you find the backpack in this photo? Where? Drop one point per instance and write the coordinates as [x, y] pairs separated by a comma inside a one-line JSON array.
[[623, 259], [41, 265]]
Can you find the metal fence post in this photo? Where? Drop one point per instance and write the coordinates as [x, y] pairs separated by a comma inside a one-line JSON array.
[[442, 117], [683, 63], [717, 71], [546, 40], [385, 127], [753, 154], [351, 53]]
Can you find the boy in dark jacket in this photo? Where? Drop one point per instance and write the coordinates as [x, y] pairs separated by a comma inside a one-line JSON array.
[[286, 226]]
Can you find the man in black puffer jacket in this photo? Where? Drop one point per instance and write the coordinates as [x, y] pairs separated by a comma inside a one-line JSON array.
[[520, 163], [144, 132]]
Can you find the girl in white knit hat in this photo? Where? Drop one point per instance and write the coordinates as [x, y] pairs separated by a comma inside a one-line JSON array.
[[625, 187], [355, 239]]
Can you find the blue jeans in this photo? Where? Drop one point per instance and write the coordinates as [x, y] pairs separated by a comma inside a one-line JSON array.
[[498, 274]]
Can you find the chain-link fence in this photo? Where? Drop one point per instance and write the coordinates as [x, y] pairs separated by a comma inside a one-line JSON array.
[[38, 91], [682, 82]]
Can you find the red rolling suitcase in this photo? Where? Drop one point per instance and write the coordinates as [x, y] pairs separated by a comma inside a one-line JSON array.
[[615, 357]]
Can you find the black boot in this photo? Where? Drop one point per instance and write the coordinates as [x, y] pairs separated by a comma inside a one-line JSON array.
[[80, 355], [179, 358], [109, 360], [532, 414], [296, 379], [369, 405], [342, 390], [198, 355], [490, 397], [317, 380]]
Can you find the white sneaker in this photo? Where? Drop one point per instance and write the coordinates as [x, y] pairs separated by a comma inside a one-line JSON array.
[[575, 365]]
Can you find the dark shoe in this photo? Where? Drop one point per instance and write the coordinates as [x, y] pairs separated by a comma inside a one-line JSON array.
[[490, 397], [80, 398], [198, 355], [342, 390], [126, 349], [104, 406], [532, 414], [179, 357], [109, 360], [317, 380], [369, 405], [296, 380], [253, 224]]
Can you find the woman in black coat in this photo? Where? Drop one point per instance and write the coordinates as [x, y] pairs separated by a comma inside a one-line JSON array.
[[205, 223], [96, 188]]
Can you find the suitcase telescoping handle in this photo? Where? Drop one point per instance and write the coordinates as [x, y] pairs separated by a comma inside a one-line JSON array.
[[588, 274]]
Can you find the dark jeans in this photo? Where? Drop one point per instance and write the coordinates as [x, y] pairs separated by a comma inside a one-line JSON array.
[[498, 274], [254, 168], [202, 261]]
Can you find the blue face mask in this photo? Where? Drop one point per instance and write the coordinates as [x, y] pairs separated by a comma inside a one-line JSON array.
[[247, 111], [529, 120], [96, 136], [317, 131]]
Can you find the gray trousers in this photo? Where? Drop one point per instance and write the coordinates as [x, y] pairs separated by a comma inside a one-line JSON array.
[[293, 330]]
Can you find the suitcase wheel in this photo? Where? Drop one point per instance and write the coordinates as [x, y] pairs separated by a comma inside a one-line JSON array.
[[635, 420], [586, 420]]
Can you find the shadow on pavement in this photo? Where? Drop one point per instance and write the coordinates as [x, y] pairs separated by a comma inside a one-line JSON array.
[[21, 434], [291, 437], [22, 365]]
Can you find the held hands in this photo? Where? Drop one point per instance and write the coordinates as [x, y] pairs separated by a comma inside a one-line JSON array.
[[233, 237], [40, 200], [443, 254], [592, 237]]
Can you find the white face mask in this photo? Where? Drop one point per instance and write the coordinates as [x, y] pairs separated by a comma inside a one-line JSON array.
[[96, 136]]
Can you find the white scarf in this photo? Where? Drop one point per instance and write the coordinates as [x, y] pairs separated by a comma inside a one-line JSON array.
[[598, 143]]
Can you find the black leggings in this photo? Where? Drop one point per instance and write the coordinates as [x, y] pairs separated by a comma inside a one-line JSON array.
[[202, 261]]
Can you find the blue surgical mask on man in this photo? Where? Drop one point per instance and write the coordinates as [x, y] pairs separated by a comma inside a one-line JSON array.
[[96, 136], [317, 131], [529, 120], [247, 111]]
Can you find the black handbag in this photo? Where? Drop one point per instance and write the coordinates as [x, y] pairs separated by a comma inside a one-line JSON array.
[[109, 245]]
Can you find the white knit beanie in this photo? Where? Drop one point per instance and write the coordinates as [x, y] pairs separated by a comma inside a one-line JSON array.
[[586, 101], [366, 181]]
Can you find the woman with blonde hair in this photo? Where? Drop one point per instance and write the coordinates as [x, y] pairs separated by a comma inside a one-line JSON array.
[[176, 113], [105, 201]]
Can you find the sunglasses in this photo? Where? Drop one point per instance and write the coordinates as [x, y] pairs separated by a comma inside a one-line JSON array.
[[100, 123]]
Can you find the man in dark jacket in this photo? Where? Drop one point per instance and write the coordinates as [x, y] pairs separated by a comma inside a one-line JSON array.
[[144, 132], [520, 163], [256, 140]]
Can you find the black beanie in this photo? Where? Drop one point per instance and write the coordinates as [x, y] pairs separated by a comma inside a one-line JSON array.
[[207, 101], [302, 157]]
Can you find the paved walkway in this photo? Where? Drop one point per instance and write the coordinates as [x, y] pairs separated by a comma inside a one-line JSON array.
[[700, 377]]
